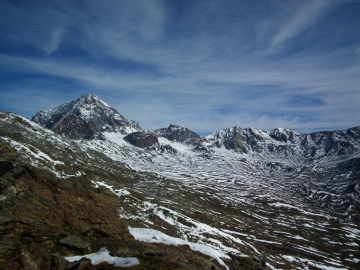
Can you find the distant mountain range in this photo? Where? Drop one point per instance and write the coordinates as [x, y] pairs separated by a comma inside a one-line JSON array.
[[89, 117], [253, 198], [321, 153]]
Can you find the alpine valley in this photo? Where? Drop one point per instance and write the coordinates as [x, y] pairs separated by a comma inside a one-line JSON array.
[[82, 187]]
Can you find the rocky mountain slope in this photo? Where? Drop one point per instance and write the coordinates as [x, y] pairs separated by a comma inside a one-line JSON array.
[[58, 201], [288, 144], [321, 167], [315, 163], [85, 118], [246, 198]]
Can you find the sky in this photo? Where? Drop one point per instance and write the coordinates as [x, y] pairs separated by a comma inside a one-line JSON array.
[[204, 65]]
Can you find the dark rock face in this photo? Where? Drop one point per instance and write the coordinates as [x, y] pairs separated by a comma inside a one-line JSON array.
[[244, 140], [142, 140], [351, 165], [284, 135], [240, 140], [331, 143], [179, 134], [287, 143], [163, 148], [5, 166], [85, 118], [82, 130]]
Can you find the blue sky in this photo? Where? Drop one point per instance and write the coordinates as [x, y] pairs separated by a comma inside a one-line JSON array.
[[205, 65]]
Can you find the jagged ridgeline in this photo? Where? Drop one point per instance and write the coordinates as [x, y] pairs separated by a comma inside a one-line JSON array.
[[87, 117], [84, 179]]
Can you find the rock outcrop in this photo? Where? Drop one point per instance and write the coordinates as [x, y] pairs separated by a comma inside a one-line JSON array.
[[179, 134], [141, 139]]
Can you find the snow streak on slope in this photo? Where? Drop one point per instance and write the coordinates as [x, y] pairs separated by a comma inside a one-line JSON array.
[[285, 144], [232, 203], [154, 236]]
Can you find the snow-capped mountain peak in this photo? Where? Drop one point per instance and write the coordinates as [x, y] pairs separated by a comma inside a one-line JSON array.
[[87, 117]]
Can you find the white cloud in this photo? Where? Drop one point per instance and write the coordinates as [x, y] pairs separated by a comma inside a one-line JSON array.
[[216, 75], [55, 41], [299, 19], [357, 51]]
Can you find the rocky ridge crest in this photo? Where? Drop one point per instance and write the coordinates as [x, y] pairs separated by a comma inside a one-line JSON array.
[[179, 134], [286, 143]]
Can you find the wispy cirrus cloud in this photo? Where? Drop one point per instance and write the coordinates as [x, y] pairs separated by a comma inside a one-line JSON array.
[[204, 65], [304, 16]]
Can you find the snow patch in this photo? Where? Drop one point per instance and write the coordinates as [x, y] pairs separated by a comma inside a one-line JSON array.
[[103, 256], [118, 192], [154, 236]]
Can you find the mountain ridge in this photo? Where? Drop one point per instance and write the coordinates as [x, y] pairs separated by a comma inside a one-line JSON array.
[[236, 203], [242, 140], [289, 142], [314, 158], [89, 117]]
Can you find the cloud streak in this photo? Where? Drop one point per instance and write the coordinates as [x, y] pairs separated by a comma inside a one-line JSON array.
[[202, 65], [303, 17]]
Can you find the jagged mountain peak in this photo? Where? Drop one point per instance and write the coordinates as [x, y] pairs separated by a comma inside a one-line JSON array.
[[284, 135], [92, 98], [282, 142], [179, 134], [87, 117], [174, 127], [239, 139], [338, 143]]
